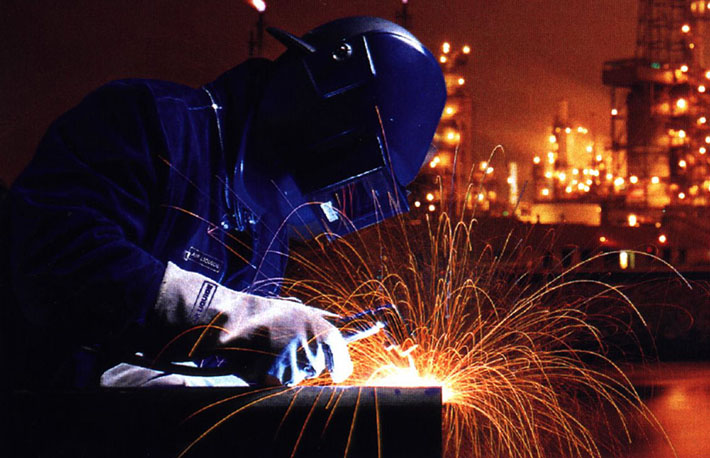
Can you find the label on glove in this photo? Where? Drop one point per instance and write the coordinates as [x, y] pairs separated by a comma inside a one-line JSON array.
[[203, 300]]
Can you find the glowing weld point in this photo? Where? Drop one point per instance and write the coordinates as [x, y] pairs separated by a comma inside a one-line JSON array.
[[409, 377]]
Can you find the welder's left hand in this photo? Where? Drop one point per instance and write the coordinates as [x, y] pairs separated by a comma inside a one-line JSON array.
[[257, 335]]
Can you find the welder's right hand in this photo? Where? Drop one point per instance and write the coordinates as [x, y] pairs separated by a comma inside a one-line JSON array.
[[280, 338]]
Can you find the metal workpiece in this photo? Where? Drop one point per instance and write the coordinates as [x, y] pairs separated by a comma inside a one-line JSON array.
[[343, 421]]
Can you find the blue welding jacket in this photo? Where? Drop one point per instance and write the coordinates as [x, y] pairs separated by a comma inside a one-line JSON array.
[[138, 174]]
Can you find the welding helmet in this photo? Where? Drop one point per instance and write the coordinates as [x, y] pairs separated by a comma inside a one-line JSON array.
[[344, 124]]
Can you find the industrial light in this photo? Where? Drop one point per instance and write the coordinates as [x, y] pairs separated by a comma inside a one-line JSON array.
[[655, 180], [662, 238], [614, 112], [633, 179], [681, 103], [466, 49], [260, 5], [545, 192], [681, 195], [684, 68], [702, 150], [489, 170], [602, 239], [536, 160], [430, 197], [443, 59], [701, 88], [432, 208], [632, 220], [619, 181], [682, 164], [417, 204], [446, 47], [461, 81], [624, 260], [685, 28], [552, 139]]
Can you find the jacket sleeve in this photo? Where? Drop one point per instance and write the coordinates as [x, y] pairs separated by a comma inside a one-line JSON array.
[[80, 216]]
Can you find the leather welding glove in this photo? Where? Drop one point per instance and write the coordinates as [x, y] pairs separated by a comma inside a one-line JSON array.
[[284, 339]]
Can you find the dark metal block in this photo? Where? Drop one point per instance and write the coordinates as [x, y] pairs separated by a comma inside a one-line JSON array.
[[277, 422]]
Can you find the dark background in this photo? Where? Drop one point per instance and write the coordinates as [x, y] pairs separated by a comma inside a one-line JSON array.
[[527, 55]]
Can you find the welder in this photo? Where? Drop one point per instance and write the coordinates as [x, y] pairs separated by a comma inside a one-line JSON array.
[[154, 219]]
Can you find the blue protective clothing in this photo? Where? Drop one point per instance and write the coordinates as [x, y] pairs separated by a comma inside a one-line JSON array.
[[138, 174]]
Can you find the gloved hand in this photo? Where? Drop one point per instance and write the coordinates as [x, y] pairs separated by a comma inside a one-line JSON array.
[[285, 339]]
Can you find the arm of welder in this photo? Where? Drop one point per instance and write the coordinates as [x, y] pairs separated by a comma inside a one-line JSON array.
[[78, 214]]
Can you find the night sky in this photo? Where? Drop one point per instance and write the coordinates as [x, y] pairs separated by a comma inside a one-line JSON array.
[[527, 56]]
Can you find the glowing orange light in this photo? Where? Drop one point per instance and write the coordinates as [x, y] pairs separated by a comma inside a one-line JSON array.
[[432, 207], [655, 180], [681, 195], [682, 164], [624, 260], [681, 104], [442, 59], [614, 112], [466, 49], [662, 238], [632, 219], [430, 197], [259, 5], [602, 239], [417, 204], [702, 150], [536, 160], [633, 179], [685, 28], [701, 88], [461, 81], [552, 139], [449, 110], [702, 120], [684, 68], [545, 192]]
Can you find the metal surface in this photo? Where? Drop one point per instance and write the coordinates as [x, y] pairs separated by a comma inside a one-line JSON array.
[[276, 422]]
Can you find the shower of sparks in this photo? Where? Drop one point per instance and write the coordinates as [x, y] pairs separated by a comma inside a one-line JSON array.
[[523, 370]]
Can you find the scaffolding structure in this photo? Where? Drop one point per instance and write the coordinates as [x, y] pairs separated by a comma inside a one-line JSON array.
[[660, 107]]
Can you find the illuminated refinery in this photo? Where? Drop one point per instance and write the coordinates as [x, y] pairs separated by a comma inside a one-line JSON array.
[[643, 185]]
